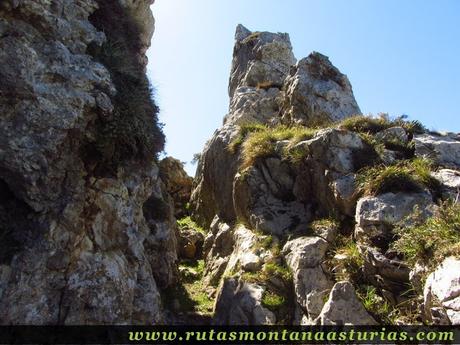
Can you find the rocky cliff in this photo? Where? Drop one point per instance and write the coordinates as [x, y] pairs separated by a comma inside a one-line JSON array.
[[87, 232], [318, 214], [302, 211]]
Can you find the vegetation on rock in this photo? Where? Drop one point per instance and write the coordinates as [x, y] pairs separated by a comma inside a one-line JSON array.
[[433, 240], [403, 176], [133, 130]]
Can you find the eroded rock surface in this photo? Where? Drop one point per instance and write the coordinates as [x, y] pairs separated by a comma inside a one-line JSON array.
[[84, 245]]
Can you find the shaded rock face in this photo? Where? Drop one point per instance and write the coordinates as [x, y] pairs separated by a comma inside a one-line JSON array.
[[261, 90], [85, 238], [178, 184]]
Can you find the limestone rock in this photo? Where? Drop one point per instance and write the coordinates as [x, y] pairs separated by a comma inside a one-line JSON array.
[[83, 243], [239, 303], [450, 181], [190, 243], [375, 215], [259, 57], [442, 290], [443, 149], [304, 256], [263, 197], [392, 135], [218, 246], [344, 308], [178, 184], [316, 92]]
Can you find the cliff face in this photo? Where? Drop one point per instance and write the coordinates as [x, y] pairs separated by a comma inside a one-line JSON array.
[[307, 211], [87, 228], [317, 214]]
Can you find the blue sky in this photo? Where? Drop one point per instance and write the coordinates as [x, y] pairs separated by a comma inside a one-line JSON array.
[[402, 57]]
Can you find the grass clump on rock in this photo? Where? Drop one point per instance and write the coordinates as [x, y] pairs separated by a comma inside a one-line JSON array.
[[190, 294], [188, 222], [133, 129], [375, 124], [431, 241], [272, 300], [345, 260], [259, 141], [405, 176]]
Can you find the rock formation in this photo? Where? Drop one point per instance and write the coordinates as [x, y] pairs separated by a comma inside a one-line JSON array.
[[302, 211], [87, 228], [307, 201]]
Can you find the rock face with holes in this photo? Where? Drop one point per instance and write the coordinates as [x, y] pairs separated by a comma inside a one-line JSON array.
[[82, 241]]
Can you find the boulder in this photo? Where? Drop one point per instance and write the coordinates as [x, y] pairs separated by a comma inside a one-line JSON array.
[[392, 135], [190, 243], [450, 183], [304, 256], [442, 292], [376, 215], [443, 149], [344, 308], [178, 184], [316, 92], [240, 303]]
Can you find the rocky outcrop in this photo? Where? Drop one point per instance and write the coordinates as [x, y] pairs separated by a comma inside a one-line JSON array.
[[289, 157], [178, 184], [442, 293], [88, 233], [443, 149], [316, 92], [344, 308], [258, 88]]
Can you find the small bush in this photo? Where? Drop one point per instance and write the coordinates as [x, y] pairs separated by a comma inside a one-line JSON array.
[[431, 241], [272, 301], [405, 176]]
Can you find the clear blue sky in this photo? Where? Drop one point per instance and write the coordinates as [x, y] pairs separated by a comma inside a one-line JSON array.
[[402, 57]]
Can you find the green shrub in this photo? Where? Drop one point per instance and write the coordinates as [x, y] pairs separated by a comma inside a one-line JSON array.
[[431, 241], [133, 130], [272, 300], [407, 176]]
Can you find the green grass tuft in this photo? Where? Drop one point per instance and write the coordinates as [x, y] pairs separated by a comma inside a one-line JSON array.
[[431, 241], [272, 300], [259, 141], [378, 306], [375, 124], [404, 176], [188, 222], [345, 259]]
